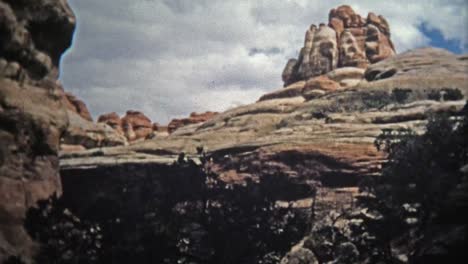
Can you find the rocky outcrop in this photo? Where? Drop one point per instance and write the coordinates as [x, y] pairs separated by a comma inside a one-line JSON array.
[[136, 125], [76, 105], [338, 79], [113, 120], [328, 138], [194, 118], [85, 133], [348, 40], [33, 36]]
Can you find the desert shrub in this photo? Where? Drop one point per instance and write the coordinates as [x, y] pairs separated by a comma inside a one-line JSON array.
[[434, 95], [446, 94], [376, 99], [411, 213], [400, 95], [184, 214], [452, 94], [410, 198], [64, 238]]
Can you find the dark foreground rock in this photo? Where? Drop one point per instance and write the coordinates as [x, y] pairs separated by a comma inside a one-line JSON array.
[[33, 34]]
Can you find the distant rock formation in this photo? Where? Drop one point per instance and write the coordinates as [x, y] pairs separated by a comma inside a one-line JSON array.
[[33, 36], [307, 135], [76, 105], [134, 125], [113, 120], [88, 134], [348, 40], [194, 118]]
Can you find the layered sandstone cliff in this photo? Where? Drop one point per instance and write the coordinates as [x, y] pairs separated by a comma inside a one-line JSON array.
[[325, 140], [33, 36], [328, 136], [319, 129]]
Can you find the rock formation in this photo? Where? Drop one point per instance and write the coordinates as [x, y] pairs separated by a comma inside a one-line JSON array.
[[347, 41], [136, 125], [194, 118], [327, 139], [76, 105], [82, 132], [88, 134], [113, 120], [329, 136], [33, 35]]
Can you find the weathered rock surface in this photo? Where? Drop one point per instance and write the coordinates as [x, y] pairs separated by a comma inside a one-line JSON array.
[[85, 133], [340, 78], [328, 138], [136, 125], [76, 105], [33, 36], [194, 118], [113, 120], [349, 40]]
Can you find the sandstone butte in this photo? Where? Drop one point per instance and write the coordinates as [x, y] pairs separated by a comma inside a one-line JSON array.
[[342, 91]]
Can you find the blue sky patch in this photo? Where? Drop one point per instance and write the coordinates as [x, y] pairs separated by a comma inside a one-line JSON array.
[[438, 40]]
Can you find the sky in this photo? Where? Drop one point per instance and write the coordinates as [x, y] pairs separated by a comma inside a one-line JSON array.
[[168, 58]]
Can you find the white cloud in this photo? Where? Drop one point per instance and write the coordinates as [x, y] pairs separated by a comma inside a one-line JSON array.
[[172, 57]]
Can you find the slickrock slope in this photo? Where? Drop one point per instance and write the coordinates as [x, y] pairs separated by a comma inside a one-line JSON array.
[[33, 35], [194, 118], [328, 137]]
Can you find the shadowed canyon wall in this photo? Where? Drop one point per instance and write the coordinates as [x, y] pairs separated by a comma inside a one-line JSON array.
[[33, 36]]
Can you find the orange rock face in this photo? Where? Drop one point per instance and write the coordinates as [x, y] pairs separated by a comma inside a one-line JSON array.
[[349, 40], [193, 119], [113, 120], [76, 105], [136, 125]]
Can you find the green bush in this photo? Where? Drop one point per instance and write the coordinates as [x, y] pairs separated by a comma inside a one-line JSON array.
[[445, 94], [400, 95], [452, 94], [184, 215]]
